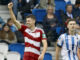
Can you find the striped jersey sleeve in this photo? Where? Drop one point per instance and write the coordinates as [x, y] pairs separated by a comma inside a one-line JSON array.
[[78, 41], [43, 35], [60, 41]]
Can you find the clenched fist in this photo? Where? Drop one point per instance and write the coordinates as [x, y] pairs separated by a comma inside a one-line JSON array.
[[10, 5]]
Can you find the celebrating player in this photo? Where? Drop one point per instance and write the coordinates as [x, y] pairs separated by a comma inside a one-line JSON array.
[[32, 35], [69, 43]]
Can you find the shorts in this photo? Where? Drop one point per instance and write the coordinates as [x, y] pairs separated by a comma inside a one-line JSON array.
[[29, 57]]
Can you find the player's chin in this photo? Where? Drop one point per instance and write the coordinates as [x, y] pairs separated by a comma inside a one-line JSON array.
[[29, 26]]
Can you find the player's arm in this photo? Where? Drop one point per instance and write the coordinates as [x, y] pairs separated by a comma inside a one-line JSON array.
[[60, 42], [44, 42], [13, 18], [58, 49], [78, 53]]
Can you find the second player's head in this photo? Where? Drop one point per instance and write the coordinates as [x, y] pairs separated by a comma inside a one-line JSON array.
[[71, 25]]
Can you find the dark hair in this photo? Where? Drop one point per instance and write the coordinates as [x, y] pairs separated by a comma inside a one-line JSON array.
[[68, 5], [71, 20], [31, 16], [9, 19]]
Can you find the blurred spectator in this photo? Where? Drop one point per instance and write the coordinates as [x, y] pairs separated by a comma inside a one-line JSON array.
[[10, 23], [76, 9], [6, 35], [50, 23], [78, 29], [19, 36], [68, 14], [15, 7], [4, 2], [1, 21], [78, 21], [69, 11], [44, 3], [78, 26], [27, 6], [0, 26]]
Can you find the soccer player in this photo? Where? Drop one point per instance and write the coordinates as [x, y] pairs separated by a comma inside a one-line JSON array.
[[32, 35], [69, 43]]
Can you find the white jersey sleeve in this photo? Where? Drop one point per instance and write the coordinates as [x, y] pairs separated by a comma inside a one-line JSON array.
[[60, 41], [78, 41]]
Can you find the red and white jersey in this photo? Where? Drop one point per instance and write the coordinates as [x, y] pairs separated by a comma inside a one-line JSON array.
[[32, 40]]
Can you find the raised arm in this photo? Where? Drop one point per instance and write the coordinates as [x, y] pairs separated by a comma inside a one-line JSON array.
[[13, 18]]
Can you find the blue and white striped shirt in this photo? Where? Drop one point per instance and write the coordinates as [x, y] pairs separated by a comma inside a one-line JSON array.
[[69, 45]]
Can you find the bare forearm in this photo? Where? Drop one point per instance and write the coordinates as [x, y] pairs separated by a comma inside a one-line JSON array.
[[44, 48], [78, 54], [57, 56], [57, 53], [78, 57]]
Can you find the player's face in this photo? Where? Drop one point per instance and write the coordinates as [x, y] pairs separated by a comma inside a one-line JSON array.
[[72, 26], [30, 22]]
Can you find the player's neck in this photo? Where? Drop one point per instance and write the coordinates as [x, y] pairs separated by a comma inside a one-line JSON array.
[[32, 28], [72, 32]]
